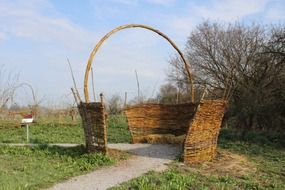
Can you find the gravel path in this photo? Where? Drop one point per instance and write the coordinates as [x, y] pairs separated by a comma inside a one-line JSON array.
[[146, 157]]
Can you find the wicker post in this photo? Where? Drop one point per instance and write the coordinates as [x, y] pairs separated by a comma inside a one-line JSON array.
[[94, 125], [202, 137], [104, 132]]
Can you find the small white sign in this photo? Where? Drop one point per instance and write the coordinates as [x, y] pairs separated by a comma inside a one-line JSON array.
[[27, 119]]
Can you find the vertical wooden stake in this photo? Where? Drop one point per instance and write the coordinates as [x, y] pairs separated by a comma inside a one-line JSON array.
[[102, 98], [74, 95], [74, 83], [104, 123], [138, 85], [126, 97], [27, 128]]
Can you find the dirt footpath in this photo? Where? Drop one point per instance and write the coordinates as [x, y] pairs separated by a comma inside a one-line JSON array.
[[146, 157]]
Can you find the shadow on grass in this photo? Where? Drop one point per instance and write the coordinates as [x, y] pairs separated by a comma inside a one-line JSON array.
[[38, 141], [161, 151], [263, 138], [73, 152], [255, 145]]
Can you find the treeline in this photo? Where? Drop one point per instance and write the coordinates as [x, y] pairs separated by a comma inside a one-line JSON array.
[[244, 64]]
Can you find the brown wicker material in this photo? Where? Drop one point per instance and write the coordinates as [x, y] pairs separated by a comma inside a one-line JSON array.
[[201, 140], [148, 122], [158, 123], [94, 125]]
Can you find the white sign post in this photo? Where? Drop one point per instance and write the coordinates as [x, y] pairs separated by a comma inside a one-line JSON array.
[[26, 121]]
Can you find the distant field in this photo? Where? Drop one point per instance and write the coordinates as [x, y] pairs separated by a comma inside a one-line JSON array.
[[49, 132]]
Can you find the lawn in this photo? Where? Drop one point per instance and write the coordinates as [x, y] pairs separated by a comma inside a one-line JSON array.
[[253, 163], [41, 166]]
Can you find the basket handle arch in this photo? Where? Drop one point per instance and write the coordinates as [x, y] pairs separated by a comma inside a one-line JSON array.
[[99, 44]]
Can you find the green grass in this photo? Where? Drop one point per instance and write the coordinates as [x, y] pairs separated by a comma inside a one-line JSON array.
[[59, 133], [37, 167], [269, 138], [42, 134], [268, 159], [41, 166], [118, 130]]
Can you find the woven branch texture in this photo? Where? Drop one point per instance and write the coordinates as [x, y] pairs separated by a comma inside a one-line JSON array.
[[94, 125], [201, 139], [196, 126], [153, 123]]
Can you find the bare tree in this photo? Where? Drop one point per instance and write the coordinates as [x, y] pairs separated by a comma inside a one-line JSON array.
[[240, 63], [221, 54], [114, 105], [169, 94], [8, 83]]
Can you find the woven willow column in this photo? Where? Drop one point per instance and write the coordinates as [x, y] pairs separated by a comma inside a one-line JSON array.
[[94, 125], [201, 140]]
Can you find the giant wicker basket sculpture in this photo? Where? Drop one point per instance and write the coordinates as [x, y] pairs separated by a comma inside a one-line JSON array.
[[197, 123]]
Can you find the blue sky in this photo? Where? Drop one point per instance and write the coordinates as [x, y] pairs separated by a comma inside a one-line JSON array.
[[37, 36]]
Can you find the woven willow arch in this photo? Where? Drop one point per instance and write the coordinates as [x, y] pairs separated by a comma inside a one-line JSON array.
[[198, 124], [98, 45]]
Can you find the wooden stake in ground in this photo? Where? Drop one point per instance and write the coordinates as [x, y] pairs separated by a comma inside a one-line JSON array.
[[126, 97], [138, 85], [73, 79], [74, 95]]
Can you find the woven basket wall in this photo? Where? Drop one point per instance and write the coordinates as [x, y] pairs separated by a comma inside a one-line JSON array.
[[156, 121], [201, 140], [94, 125]]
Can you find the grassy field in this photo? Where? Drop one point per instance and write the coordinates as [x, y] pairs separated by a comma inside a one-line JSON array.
[[43, 133], [253, 163], [41, 166]]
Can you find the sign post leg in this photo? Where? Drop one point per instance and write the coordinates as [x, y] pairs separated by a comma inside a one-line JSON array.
[[27, 126]]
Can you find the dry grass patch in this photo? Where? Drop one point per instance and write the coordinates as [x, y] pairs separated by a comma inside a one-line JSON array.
[[161, 139], [117, 154], [225, 163]]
